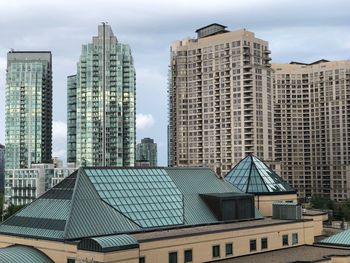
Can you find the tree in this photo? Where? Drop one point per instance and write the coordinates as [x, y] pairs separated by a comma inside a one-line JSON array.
[[320, 202], [11, 210]]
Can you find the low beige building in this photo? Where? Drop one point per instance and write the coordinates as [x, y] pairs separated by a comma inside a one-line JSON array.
[[153, 215]]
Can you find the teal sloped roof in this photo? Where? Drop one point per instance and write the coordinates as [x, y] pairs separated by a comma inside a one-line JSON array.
[[46, 216], [20, 254], [252, 175], [70, 210], [340, 239], [108, 243], [114, 201], [194, 181], [147, 196]]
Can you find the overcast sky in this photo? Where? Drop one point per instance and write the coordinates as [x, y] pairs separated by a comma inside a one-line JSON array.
[[297, 30]]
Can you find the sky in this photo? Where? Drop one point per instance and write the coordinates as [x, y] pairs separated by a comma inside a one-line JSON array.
[[296, 30]]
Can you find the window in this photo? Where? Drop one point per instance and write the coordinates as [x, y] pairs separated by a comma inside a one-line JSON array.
[[252, 245], [264, 243], [188, 255], [142, 260], [229, 249], [285, 240], [216, 251], [173, 257], [295, 239], [70, 260]]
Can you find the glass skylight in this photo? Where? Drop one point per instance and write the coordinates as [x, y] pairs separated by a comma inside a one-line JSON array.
[[147, 196]]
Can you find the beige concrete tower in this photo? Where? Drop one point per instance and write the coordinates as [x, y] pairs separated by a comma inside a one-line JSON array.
[[312, 126], [220, 99]]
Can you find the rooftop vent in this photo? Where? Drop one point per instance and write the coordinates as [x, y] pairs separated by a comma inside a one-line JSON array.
[[286, 210]]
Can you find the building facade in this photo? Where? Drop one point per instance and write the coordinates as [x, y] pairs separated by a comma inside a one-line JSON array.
[[22, 186], [71, 118], [312, 126], [101, 104], [2, 167], [146, 151], [28, 109], [220, 99]]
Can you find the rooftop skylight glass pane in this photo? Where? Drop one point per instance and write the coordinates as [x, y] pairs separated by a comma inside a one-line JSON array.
[[145, 196]]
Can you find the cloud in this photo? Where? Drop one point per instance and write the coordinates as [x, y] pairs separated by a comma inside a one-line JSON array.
[[307, 31], [144, 121], [59, 138], [59, 133]]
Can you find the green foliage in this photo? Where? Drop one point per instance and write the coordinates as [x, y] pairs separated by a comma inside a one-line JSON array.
[[341, 210], [12, 209], [320, 202]]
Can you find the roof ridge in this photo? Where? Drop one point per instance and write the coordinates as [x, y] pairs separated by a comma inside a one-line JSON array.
[[72, 202], [262, 179]]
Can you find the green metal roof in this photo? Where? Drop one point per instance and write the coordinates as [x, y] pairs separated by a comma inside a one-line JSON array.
[[194, 181], [147, 196], [252, 175], [113, 201], [108, 243], [340, 239], [20, 254]]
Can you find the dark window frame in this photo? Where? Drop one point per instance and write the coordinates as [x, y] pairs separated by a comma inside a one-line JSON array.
[[216, 248], [285, 242], [226, 250], [297, 238], [173, 253], [252, 245], [187, 260], [264, 243]]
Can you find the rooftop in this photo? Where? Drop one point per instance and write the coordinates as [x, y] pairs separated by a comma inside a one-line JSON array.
[[108, 201], [341, 239], [251, 175], [215, 228], [210, 30], [305, 253], [16, 254]]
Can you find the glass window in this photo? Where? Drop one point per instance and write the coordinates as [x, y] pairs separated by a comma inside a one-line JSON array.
[[173, 257], [216, 251], [285, 240], [229, 249], [295, 239], [70, 260], [188, 255], [142, 260], [264, 243], [252, 245]]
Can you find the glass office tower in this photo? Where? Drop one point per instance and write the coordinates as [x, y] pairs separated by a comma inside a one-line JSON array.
[[103, 133], [147, 151], [28, 108]]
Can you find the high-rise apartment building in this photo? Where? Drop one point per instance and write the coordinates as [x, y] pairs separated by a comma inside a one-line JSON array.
[[71, 119], [312, 126], [101, 104], [220, 99], [147, 151], [2, 167], [22, 186], [28, 125]]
